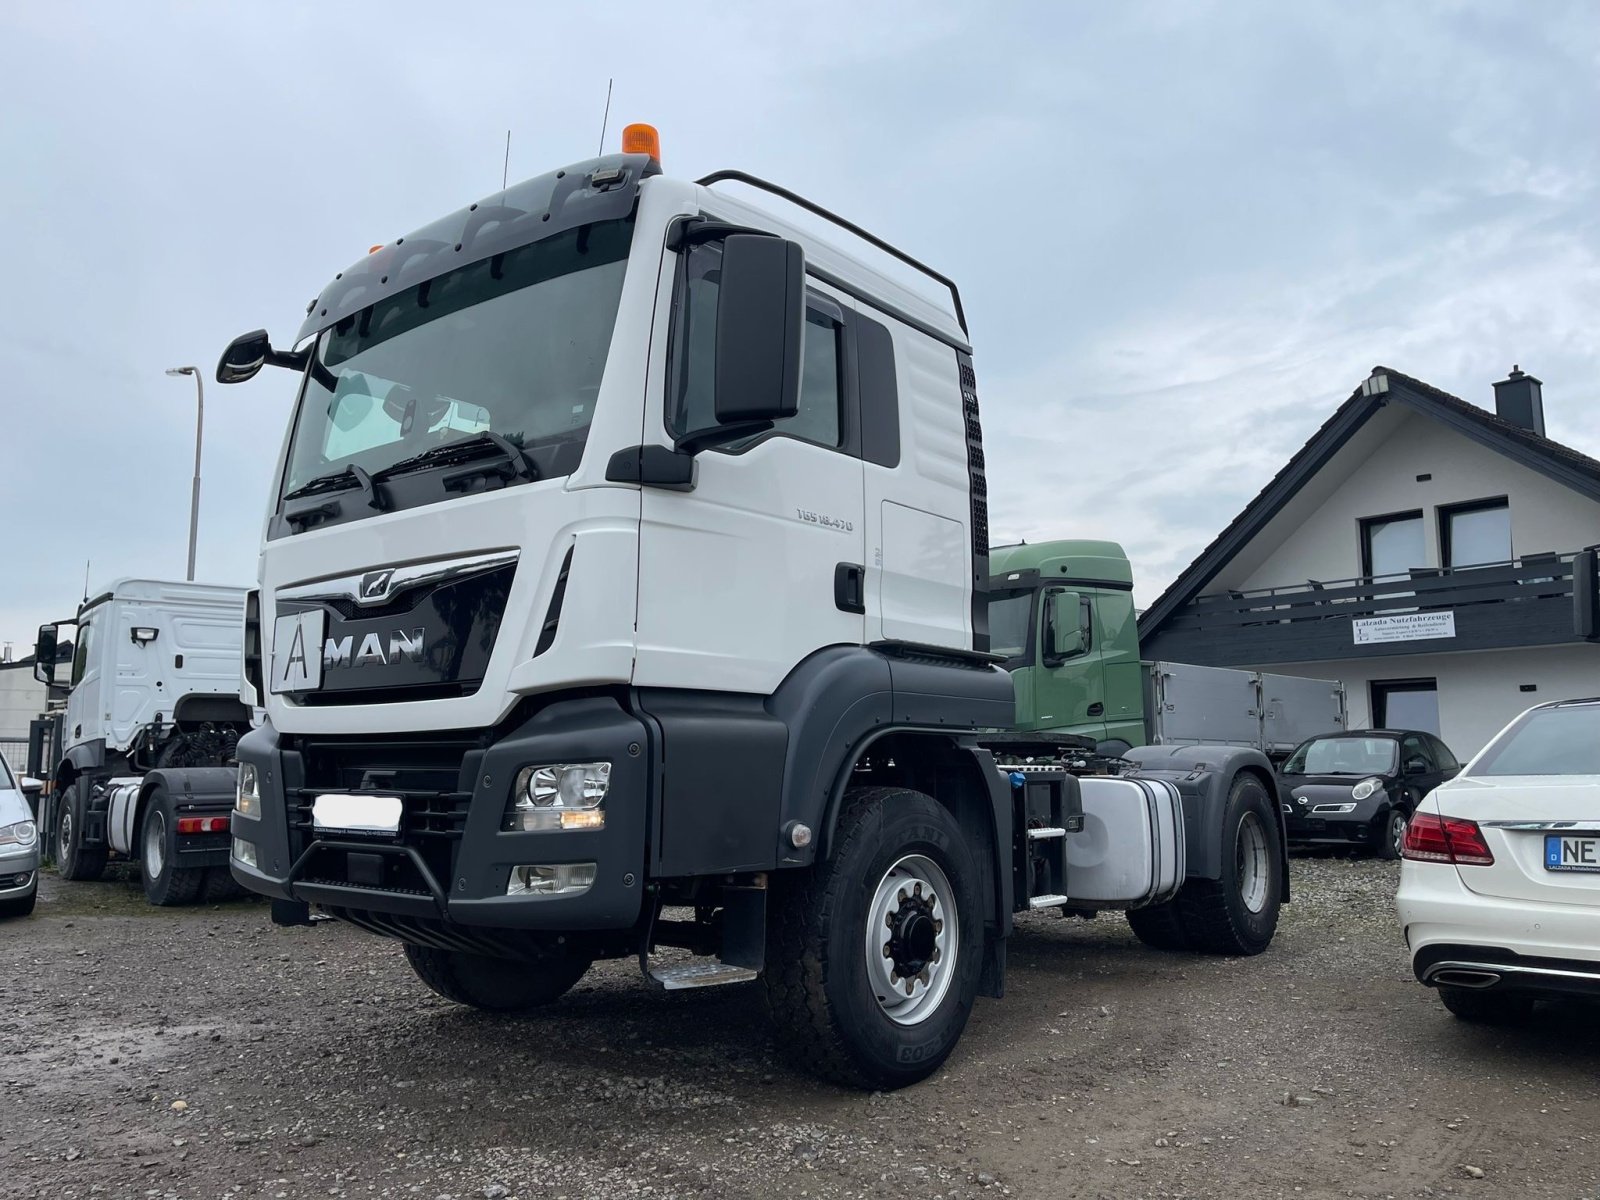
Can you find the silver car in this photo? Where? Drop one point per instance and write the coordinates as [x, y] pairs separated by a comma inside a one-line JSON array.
[[19, 848]]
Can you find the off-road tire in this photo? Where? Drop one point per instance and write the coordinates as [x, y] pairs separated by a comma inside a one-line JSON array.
[[19, 906], [824, 1012], [1487, 1008], [496, 984], [1385, 839], [74, 860], [1159, 926], [166, 885], [1213, 912]]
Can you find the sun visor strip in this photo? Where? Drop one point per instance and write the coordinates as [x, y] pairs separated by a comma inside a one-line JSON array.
[[601, 189]]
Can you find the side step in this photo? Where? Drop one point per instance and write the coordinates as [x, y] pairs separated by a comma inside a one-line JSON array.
[[1048, 901], [677, 977]]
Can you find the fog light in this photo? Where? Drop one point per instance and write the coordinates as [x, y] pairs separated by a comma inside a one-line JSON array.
[[562, 879], [244, 852], [247, 800], [560, 796]]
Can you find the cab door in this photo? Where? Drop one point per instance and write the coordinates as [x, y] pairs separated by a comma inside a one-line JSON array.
[[760, 563], [1072, 691]]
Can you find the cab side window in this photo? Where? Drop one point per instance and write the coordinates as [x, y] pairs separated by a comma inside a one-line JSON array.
[[80, 652], [692, 388]]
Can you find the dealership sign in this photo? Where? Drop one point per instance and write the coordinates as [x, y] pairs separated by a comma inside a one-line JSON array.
[[1403, 627]]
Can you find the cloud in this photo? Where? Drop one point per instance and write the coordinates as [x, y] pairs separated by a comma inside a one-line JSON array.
[[1183, 232]]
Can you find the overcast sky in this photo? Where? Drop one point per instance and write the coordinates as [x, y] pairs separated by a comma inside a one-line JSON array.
[[1184, 232]]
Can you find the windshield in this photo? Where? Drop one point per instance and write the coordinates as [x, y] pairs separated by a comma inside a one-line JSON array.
[[1344, 756], [515, 345], [7, 783], [1546, 741], [1009, 624]]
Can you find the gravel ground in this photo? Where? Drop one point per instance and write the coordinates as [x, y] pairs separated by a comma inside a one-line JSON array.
[[203, 1052]]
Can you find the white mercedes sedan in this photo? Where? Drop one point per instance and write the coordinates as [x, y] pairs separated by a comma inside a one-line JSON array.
[[1500, 888]]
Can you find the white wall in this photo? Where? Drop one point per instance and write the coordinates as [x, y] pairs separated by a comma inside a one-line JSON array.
[[1319, 537], [1478, 691], [21, 698]]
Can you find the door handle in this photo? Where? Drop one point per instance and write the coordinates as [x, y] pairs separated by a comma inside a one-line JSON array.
[[1097, 709], [849, 587]]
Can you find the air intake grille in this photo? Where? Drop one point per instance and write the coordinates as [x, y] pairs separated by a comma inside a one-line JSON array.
[[978, 490]]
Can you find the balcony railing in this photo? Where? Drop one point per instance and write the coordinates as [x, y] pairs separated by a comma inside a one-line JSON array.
[[1525, 602]]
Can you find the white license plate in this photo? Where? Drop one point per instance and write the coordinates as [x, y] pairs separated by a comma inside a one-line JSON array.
[[297, 652], [356, 814], [1568, 852]]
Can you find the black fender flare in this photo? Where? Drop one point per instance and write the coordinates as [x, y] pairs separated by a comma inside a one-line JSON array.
[[1204, 775]]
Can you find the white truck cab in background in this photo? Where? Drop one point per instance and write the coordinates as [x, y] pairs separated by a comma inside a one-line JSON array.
[[149, 718]]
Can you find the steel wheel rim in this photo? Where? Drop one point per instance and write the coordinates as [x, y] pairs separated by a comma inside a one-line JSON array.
[[912, 926], [1250, 858], [155, 843], [1397, 831], [64, 834]]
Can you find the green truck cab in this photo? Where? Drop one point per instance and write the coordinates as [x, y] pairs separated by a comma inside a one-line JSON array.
[[1062, 614]]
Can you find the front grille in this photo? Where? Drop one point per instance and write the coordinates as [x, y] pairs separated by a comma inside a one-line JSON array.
[[433, 779]]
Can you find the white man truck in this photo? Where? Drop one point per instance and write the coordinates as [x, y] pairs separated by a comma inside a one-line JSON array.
[[142, 767], [624, 586]]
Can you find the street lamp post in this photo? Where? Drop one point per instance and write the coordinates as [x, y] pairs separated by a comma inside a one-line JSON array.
[[199, 427]]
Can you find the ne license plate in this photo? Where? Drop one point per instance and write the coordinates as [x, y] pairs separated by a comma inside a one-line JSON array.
[[356, 814], [1565, 852]]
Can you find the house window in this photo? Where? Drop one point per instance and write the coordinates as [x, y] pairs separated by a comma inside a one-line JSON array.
[[1476, 534], [1406, 704], [1392, 545]]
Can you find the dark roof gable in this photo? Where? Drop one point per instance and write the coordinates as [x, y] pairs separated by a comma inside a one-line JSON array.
[[1550, 458]]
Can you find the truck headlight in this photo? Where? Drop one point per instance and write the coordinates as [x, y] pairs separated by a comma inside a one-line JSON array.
[[561, 796], [244, 852], [1366, 788], [23, 833], [561, 879], [247, 801]]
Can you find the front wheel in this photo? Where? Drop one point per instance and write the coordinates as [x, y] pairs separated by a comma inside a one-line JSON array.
[[1389, 834], [1238, 914], [873, 956], [73, 859], [165, 883], [496, 984]]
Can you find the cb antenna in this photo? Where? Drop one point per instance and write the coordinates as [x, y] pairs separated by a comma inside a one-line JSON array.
[[505, 167], [605, 118], [86, 581]]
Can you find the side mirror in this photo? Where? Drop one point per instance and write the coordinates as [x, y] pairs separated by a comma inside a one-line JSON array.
[[244, 357], [1065, 631], [44, 655], [761, 312], [1416, 766]]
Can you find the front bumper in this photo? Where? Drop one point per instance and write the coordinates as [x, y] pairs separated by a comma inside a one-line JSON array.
[[1459, 938], [451, 862], [19, 873], [1303, 826]]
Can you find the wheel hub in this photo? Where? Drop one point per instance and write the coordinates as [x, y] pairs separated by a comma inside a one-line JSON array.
[[911, 939]]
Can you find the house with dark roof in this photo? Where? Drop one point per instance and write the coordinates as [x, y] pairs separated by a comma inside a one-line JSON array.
[[1436, 557]]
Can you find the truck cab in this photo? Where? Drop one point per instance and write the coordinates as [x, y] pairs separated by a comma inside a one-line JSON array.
[[151, 697], [1061, 613], [624, 586]]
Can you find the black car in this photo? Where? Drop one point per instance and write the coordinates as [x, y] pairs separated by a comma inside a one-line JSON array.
[[1360, 787]]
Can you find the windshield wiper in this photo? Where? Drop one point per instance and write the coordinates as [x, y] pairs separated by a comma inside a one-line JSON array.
[[515, 466], [338, 481], [311, 511]]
